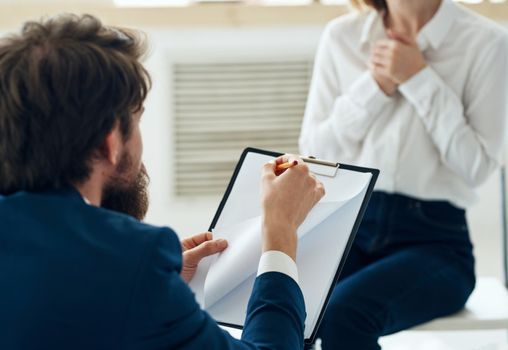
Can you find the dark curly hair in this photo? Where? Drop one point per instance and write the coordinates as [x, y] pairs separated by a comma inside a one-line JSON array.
[[65, 82]]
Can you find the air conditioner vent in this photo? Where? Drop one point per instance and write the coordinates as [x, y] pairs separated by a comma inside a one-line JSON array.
[[221, 108]]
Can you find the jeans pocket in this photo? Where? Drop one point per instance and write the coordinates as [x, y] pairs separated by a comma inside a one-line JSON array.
[[441, 216]]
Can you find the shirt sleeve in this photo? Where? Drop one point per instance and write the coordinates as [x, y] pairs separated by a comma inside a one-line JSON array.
[[275, 261], [469, 132], [336, 119]]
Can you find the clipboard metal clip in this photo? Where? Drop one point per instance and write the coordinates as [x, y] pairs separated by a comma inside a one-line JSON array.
[[321, 167]]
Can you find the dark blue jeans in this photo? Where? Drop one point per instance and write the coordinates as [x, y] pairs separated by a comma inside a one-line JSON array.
[[412, 261]]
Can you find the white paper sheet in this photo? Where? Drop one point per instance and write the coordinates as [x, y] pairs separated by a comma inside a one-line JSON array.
[[239, 261], [223, 282]]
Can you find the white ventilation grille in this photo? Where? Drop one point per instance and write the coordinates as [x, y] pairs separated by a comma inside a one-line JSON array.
[[222, 108]]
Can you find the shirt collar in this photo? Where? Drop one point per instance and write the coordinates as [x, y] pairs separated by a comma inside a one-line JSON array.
[[372, 28], [433, 33]]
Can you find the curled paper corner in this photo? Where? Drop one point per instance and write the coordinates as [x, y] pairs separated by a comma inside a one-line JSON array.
[[235, 264]]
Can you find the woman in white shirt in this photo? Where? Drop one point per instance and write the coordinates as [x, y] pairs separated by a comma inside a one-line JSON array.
[[418, 89]]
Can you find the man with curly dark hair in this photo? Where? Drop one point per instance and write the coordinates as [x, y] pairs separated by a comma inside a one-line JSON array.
[[78, 269]]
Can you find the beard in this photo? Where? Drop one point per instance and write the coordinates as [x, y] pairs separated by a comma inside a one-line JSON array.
[[127, 194]]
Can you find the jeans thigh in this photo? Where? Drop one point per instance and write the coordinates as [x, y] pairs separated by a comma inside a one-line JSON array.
[[429, 283], [407, 288], [416, 222]]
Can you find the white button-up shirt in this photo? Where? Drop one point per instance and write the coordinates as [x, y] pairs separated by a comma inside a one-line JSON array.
[[442, 134]]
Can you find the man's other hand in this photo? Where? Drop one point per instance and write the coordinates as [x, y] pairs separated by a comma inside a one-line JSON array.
[[196, 248]]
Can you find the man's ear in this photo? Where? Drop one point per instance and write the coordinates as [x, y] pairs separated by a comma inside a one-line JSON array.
[[112, 146]]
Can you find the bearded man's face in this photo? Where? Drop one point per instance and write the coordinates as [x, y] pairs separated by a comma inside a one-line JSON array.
[[127, 192]]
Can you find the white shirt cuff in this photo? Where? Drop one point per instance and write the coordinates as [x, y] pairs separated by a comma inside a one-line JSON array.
[[419, 89], [276, 261], [366, 92]]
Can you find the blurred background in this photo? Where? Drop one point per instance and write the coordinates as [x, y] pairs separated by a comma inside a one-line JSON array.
[[232, 74]]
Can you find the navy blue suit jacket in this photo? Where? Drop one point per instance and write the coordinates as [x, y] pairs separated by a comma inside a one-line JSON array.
[[74, 276]]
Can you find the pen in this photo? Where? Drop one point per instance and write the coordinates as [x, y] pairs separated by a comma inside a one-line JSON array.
[[286, 165]]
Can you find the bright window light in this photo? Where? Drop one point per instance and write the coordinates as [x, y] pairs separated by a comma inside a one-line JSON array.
[[151, 3], [284, 2], [177, 3]]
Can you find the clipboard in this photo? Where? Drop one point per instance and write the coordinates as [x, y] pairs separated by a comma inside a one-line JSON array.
[[223, 283]]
